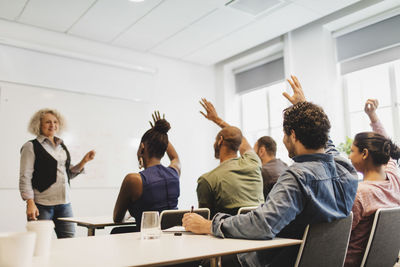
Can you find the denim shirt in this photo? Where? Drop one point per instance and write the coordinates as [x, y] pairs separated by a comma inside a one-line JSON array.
[[316, 188]]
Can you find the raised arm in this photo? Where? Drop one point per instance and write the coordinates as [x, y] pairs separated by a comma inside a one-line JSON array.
[[174, 158], [88, 157], [371, 105], [298, 94], [78, 168], [171, 152], [212, 115], [297, 97]]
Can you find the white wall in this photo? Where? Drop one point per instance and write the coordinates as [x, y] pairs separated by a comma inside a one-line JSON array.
[[310, 55], [312, 58], [80, 65]]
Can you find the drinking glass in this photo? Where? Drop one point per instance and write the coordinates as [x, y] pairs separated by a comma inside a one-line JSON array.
[[150, 227]]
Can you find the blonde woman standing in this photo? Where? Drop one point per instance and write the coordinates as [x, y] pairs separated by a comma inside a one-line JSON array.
[[46, 170]]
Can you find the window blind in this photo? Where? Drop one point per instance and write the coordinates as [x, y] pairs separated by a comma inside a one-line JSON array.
[[372, 45], [260, 76]]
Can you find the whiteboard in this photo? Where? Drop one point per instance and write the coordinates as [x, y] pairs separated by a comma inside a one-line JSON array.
[[111, 126]]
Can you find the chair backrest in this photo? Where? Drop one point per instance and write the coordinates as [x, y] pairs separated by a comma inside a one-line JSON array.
[[325, 244], [171, 218], [244, 210], [384, 241]]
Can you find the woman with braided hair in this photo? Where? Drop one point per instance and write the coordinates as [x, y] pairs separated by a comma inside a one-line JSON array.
[[156, 188], [373, 154]]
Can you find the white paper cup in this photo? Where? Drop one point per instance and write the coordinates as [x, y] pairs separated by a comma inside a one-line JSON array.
[[44, 231], [150, 226], [16, 249]]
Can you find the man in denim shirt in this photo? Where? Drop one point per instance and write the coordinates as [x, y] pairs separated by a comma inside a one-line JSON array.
[[319, 187]]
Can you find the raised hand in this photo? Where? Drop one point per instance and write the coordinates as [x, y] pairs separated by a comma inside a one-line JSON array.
[[298, 94], [370, 106], [212, 114], [89, 156], [156, 117], [370, 109]]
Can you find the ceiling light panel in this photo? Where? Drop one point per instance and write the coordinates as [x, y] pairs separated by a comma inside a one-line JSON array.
[[166, 20], [108, 18], [258, 32], [203, 32], [10, 9], [57, 15], [255, 7]]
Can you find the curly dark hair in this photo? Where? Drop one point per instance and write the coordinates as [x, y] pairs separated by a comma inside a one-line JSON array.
[[156, 139], [309, 122], [380, 148]]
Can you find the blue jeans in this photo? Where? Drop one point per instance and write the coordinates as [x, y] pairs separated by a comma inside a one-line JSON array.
[[63, 229]]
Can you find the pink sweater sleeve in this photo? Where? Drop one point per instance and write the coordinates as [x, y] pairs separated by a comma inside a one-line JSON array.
[[378, 128]]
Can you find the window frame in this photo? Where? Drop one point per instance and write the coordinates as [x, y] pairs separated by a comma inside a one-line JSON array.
[[281, 151], [394, 105]]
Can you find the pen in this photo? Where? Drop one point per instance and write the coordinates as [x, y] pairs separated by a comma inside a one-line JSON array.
[[191, 210]]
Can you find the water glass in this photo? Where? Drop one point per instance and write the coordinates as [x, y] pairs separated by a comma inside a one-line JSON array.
[[150, 227]]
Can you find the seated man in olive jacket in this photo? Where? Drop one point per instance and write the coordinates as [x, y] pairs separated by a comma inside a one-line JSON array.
[[237, 181]]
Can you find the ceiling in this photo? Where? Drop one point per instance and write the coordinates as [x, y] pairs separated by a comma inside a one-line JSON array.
[[198, 31]]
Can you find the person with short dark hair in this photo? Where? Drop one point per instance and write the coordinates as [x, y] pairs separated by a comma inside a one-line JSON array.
[[319, 187], [272, 168], [237, 181], [156, 188], [373, 154]]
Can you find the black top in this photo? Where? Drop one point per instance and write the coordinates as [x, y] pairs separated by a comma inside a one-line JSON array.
[[45, 167]]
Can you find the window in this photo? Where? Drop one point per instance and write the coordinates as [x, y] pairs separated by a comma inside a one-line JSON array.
[[381, 82], [262, 115]]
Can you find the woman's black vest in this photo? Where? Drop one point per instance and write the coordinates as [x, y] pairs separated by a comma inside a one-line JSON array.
[[45, 167]]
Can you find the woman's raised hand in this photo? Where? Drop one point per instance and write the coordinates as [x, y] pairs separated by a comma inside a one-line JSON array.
[[156, 117], [370, 108]]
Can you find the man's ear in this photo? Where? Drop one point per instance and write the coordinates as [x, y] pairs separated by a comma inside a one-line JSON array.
[[220, 140], [261, 151], [293, 135]]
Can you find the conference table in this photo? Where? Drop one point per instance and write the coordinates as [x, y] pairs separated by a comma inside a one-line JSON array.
[[129, 250], [99, 222]]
